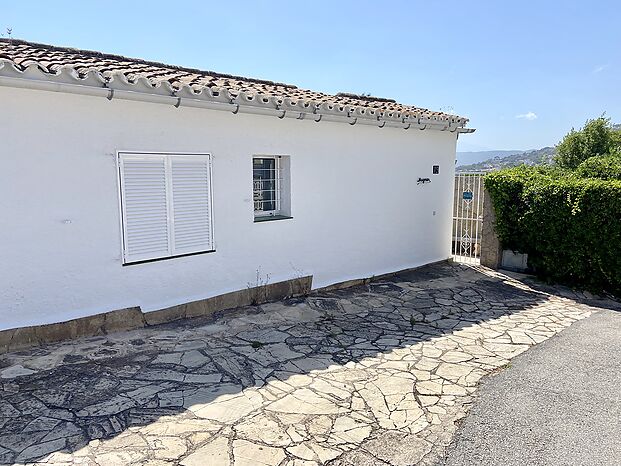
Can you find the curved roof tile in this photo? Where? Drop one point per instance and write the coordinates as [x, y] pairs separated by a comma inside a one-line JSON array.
[[51, 58]]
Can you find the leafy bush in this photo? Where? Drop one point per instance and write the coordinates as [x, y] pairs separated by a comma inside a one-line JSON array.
[[597, 137], [604, 167], [569, 226]]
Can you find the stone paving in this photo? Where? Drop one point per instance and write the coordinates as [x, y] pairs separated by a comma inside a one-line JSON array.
[[370, 375]]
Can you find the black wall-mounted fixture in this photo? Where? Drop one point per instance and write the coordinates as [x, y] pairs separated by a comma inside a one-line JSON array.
[[423, 181], [436, 169]]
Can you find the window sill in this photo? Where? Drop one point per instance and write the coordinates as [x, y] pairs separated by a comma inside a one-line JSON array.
[[269, 218], [157, 259]]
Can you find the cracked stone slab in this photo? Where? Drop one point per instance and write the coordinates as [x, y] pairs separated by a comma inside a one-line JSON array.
[[370, 375]]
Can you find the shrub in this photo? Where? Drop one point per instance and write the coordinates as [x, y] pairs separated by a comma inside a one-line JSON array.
[[570, 227], [597, 137], [602, 167]]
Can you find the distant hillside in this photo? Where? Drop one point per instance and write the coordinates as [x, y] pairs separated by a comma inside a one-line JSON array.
[[533, 157], [467, 158]]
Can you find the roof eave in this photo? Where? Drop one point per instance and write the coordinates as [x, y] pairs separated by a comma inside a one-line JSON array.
[[116, 85]]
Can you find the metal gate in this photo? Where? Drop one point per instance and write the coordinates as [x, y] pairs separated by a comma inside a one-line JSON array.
[[467, 217]]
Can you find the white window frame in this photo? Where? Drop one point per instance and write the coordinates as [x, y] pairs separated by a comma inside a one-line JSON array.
[[278, 188], [122, 216]]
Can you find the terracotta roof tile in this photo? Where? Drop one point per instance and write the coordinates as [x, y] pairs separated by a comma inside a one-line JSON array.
[[51, 58]]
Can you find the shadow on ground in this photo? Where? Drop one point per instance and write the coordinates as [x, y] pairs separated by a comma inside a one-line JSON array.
[[304, 379]]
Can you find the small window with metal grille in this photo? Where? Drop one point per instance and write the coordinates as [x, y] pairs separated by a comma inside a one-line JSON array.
[[270, 187]]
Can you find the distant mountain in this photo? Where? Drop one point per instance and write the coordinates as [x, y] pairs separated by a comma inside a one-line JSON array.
[[467, 158], [534, 157], [495, 159]]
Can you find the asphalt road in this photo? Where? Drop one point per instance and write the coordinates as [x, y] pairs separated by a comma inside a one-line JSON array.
[[559, 403]]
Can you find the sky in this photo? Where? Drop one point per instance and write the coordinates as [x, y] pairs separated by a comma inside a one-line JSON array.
[[524, 72]]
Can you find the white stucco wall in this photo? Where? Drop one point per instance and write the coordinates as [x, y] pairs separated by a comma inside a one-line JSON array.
[[357, 208]]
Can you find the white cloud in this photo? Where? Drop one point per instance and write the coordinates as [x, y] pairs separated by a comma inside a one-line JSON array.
[[601, 68], [530, 116]]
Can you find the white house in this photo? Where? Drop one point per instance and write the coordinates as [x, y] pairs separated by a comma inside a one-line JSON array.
[[129, 183]]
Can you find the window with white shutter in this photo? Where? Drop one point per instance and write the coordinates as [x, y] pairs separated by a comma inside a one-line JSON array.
[[165, 205]]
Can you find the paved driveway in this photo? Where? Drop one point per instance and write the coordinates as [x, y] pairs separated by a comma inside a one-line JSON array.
[[369, 375], [559, 404]]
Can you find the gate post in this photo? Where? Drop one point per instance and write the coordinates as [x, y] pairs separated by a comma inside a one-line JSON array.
[[491, 250]]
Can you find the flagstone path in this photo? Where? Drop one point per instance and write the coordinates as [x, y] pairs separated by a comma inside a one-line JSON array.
[[370, 375]]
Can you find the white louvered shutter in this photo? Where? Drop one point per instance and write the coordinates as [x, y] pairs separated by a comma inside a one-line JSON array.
[[166, 205], [145, 207], [191, 204]]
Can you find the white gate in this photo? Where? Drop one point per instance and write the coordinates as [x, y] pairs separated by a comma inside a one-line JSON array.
[[467, 217]]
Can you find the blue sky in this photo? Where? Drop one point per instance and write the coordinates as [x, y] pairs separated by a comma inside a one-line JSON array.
[[524, 72]]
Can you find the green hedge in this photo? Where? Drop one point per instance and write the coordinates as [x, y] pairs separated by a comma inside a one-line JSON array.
[[569, 226], [604, 167]]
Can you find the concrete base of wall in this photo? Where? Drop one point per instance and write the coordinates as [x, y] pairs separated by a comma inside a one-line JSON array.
[[133, 318], [374, 278], [514, 261]]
